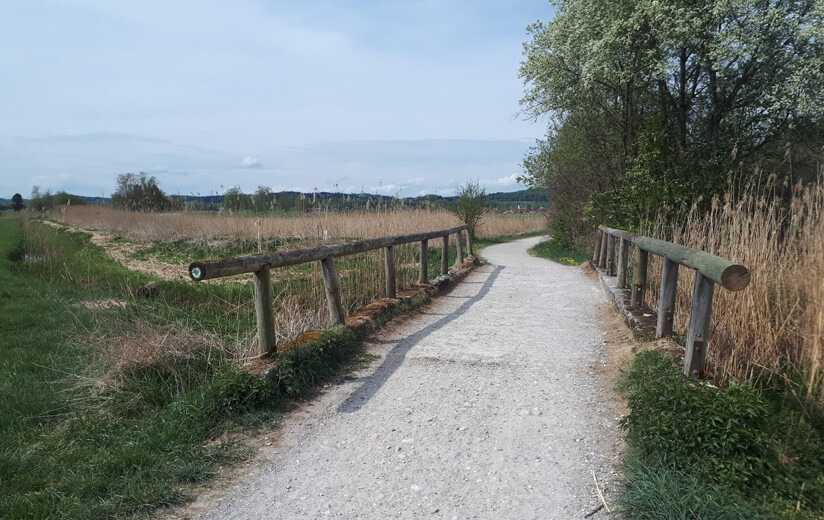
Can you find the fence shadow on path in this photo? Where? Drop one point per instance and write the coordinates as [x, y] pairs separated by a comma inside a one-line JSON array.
[[395, 357]]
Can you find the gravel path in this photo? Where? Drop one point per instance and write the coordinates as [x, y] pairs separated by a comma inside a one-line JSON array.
[[489, 405]]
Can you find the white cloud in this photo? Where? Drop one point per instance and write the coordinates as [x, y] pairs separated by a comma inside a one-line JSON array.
[[509, 180], [250, 162]]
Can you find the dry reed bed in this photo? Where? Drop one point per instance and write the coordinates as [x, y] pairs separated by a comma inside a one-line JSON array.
[[300, 302], [324, 225], [777, 322]]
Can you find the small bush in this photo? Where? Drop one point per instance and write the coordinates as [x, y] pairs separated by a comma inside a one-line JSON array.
[[686, 421], [699, 452]]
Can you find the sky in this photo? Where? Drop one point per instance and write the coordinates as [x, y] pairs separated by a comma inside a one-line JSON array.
[[402, 97]]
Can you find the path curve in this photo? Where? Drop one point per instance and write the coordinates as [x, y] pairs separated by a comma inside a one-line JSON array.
[[486, 405]]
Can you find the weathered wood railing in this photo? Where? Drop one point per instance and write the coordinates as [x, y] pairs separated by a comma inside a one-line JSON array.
[[710, 270], [261, 264]]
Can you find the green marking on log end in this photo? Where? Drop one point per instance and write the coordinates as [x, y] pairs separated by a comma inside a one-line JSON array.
[[196, 272]]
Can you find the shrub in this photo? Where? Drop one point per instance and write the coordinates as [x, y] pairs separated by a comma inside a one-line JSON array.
[[470, 205], [685, 421]]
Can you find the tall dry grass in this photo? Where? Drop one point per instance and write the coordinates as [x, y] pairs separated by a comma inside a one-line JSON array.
[[775, 325], [300, 302], [331, 226]]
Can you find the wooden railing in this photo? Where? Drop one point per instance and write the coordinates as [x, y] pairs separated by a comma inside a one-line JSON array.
[[710, 270], [261, 264]]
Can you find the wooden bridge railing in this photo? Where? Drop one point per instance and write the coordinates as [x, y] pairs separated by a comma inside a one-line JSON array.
[[261, 264], [710, 270]]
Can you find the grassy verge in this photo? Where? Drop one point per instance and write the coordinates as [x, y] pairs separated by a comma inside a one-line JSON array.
[[112, 412], [552, 250], [699, 452]]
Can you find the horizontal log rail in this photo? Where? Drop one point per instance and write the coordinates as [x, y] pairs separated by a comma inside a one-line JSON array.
[[261, 264], [710, 270], [208, 269]]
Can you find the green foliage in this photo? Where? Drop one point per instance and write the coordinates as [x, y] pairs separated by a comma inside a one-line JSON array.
[[304, 366], [579, 158], [235, 200], [139, 192], [557, 251], [684, 420], [237, 391], [469, 207], [694, 448], [17, 202], [46, 201], [263, 200], [284, 201], [651, 103]]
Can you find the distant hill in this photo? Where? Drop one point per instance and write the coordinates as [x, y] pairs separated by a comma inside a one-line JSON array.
[[529, 198]]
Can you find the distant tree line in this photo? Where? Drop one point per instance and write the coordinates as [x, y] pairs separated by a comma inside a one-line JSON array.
[[265, 200], [141, 192], [46, 201], [651, 104]]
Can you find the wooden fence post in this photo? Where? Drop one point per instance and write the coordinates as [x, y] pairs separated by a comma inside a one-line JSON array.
[[459, 241], [699, 327], [666, 298], [610, 255], [639, 279], [602, 262], [424, 268], [445, 255], [623, 253], [330, 281], [596, 256], [469, 250], [264, 311], [389, 263]]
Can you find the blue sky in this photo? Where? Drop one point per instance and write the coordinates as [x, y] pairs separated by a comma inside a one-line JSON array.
[[405, 97]]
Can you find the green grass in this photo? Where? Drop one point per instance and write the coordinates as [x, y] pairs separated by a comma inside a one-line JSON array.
[[85, 437], [698, 452], [554, 251]]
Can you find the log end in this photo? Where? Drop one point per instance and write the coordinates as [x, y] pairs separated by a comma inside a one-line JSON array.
[[735, 277], [196, 271]]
